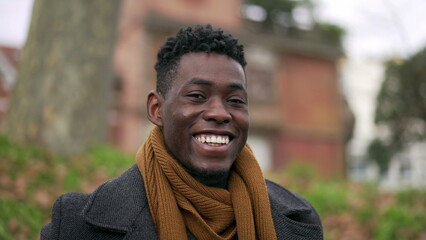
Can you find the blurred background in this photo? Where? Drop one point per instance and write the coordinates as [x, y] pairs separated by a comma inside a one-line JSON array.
[[337, 102]]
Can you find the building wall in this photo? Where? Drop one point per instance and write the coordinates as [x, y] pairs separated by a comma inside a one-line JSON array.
[[224, 13], [8, 66], [4, 97], [310, 95], [324, 156], [129, 63], [312, 114]]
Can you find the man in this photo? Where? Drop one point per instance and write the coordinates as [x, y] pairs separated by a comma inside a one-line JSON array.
[[195, 177]]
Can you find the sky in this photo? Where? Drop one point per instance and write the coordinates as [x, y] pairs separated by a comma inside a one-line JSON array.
[[378, 29], [15, 16], [375, 28]]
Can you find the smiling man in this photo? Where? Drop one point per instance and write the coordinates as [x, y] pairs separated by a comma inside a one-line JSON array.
[[195, 177]]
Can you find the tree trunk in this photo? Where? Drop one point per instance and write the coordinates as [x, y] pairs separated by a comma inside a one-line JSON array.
[[64, 82]]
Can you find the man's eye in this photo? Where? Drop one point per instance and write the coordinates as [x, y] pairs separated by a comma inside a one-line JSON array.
[[196, 96], [237, 100]]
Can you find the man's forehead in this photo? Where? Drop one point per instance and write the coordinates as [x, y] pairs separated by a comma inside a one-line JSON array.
[[206, 56], [200, 63]]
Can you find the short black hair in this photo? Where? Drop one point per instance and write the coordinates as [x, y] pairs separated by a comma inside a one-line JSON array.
[[197, 39]]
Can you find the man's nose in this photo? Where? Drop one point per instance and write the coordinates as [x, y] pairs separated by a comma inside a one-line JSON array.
[[217, 111]]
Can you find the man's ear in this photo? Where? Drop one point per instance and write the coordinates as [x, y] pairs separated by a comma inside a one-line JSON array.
[[154, 103]]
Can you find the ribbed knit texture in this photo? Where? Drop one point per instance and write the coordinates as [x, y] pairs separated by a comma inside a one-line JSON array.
[[178, 202]]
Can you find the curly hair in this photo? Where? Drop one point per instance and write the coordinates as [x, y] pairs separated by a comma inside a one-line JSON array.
[[197, 39]]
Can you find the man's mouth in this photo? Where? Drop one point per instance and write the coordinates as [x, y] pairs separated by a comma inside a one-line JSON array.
[[213, 139]]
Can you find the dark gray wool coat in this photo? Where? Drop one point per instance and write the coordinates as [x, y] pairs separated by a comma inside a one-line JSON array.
[[118, 209]]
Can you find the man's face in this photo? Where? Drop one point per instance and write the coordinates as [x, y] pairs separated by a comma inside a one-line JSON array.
[[205, 113]]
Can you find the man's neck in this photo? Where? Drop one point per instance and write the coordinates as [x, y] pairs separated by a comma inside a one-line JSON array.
[[211, 180]]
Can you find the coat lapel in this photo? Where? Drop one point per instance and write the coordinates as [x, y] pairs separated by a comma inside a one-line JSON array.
[[120, 205]]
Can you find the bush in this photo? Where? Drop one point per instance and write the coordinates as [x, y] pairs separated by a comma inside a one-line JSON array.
[[405, 219], [20, 219], [357, 210], [31, 180]]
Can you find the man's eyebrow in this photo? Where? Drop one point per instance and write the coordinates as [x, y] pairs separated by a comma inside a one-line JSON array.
[[237, 86], [200, 81]]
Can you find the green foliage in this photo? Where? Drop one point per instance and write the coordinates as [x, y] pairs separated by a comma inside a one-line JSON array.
[[379, 152], [361, 199], [401, 101], [330, 32], [279, 13], [31, 179], [405, 219], [19, 217], [110, 158], [329, 198], [71, 179], [299, 171], [355, 210], [389, 105], [18, 155], [278, 5], [273, 8], [304, 180]]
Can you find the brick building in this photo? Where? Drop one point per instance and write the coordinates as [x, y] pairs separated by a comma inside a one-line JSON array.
[[295, 102], [8, 67]]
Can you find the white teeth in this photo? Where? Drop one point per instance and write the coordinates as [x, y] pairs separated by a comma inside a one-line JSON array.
[[213, 139]]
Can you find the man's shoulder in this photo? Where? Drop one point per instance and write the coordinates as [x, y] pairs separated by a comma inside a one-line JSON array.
[[287, 201], [72, 201], [286, 198], [293, 215], [67, 210], [113, 205]]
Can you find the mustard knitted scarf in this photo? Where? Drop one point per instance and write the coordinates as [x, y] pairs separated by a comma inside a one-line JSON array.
[[178, 202]]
